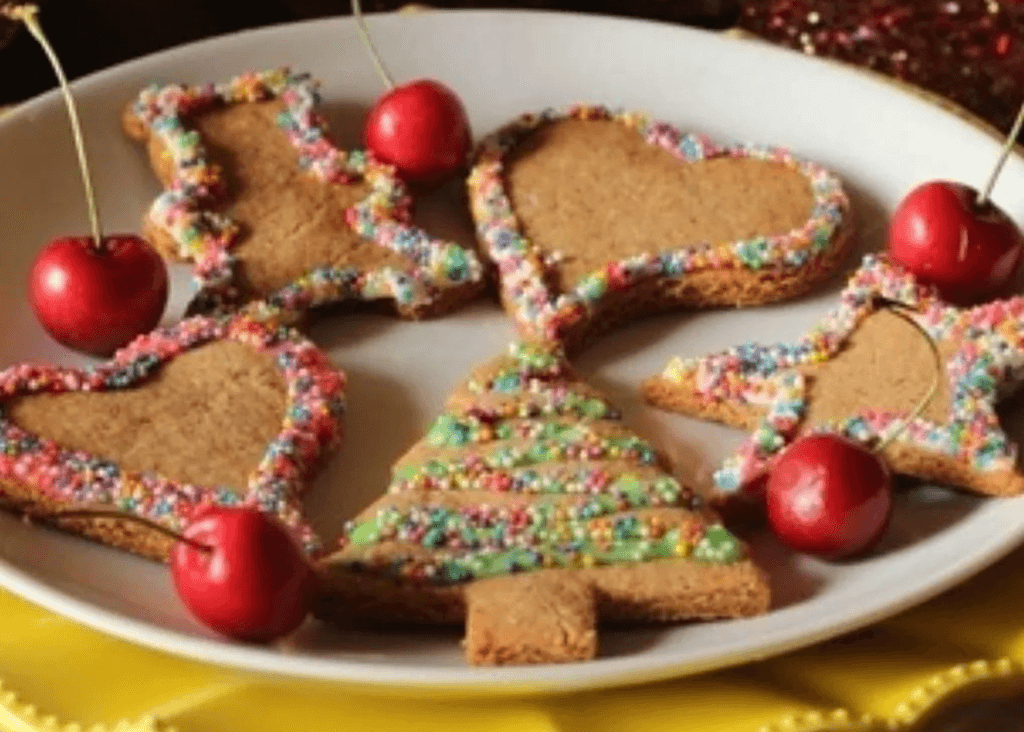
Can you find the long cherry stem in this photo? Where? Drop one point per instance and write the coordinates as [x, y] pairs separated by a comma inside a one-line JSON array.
[[110, 513], [27, 14], [364, 34], [1011, 141], [917, 411]]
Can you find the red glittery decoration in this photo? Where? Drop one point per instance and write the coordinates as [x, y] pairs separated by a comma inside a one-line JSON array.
[[970, 51]]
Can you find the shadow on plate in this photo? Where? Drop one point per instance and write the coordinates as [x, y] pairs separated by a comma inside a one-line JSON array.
[[870, 223], [383, 643], [922, 511], [342, 326], [444, 213], [381, 422], [345, 123], [789, 579]]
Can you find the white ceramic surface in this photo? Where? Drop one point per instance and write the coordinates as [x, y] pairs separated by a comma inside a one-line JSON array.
[[879, 140]]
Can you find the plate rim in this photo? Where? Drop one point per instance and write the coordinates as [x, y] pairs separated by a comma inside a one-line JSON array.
[[502, 681]]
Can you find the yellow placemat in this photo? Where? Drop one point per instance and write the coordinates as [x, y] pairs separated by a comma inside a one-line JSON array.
[[969, 642], [58, 676]]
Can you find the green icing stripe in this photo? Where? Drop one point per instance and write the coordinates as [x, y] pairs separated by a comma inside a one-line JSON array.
[[450, 430], [664, 490], [541, 451], [547, 400], [717, 546], [439, 526], [481, 565], [532, 356]]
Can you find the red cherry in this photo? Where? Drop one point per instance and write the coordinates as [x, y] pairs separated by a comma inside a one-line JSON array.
[[97, 299], [421, 128], [945, 238], [242, 574], [829, 496]]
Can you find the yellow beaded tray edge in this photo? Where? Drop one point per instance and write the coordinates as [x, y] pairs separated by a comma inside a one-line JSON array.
[[892, 676]]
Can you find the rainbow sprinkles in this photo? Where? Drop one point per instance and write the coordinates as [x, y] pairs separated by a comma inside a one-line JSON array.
[[438, 271], [540, 491], [310, 430], [983, 350], [544, 313]]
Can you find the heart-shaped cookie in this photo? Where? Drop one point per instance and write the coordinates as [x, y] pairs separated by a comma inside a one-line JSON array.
[[268, 208], [530, 511], [868, 373], [592, 218], [220, 411]]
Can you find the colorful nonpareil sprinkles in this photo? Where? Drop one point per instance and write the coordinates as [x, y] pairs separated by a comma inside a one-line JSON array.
[[185, 209], [311, 428], [544, 313], [484, 494], [985, 346]]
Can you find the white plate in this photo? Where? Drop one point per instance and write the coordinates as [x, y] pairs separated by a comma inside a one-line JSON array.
[[879, 140]]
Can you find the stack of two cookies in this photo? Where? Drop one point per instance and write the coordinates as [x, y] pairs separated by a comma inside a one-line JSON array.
[[529, 509]]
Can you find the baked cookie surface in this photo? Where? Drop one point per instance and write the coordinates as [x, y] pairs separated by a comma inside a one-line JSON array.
[[592, 218], [530, 512], [221, 411], [267, 207], [862, 372]]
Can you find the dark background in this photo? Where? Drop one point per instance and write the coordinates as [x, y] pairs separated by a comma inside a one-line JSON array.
[[92, 34], [970, 51]]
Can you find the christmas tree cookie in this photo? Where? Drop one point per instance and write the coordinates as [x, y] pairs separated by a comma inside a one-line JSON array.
[[530, 512]]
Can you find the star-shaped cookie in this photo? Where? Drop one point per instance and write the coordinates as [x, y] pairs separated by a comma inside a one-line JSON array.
[[862, 372], [593, 217], [267, 207]]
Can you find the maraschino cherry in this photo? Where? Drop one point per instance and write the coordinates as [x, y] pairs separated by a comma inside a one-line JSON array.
[[92, 293], [949, 235], [241, 573], [238, 570], [829, 496], [97, 299], [419, 127]]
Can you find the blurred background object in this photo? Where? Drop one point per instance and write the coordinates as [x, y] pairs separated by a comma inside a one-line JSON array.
[[8, 29], [93, 34], [970, 51]]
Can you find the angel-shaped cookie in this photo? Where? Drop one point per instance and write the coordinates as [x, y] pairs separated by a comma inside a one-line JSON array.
[[265, 205]]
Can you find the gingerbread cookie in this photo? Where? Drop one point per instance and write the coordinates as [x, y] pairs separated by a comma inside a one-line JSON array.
[[264, 204], [592, 218], [529, 511], [862, 372], [209, 411]]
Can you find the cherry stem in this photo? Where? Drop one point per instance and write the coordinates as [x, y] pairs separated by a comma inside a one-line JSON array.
[[895, 431], [364, 34], [1011, 141], [110, 513], [27, 14]]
